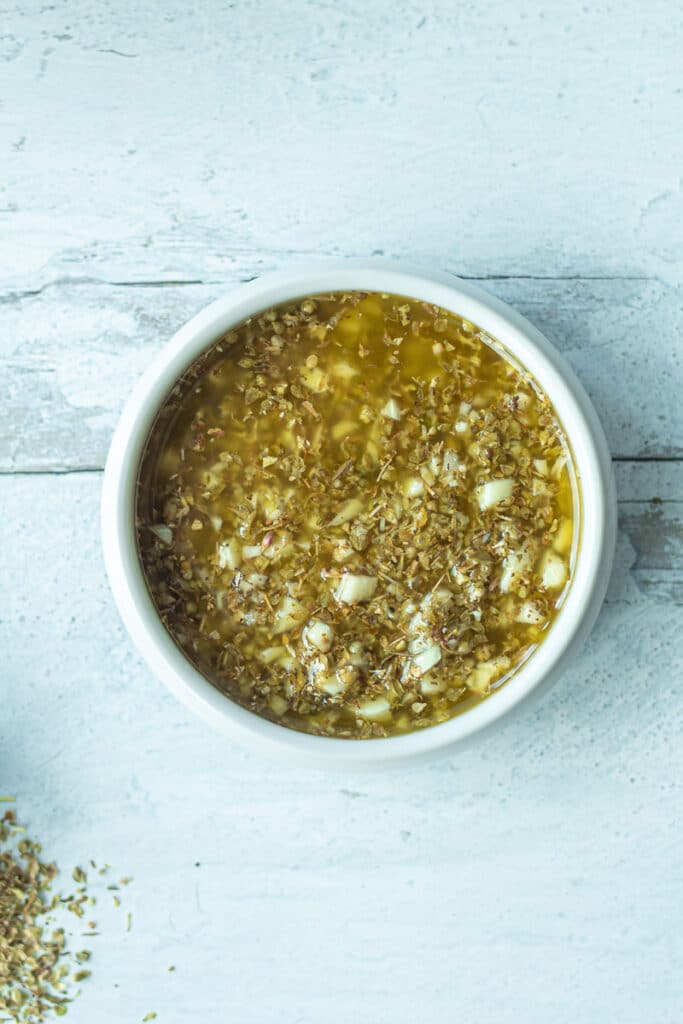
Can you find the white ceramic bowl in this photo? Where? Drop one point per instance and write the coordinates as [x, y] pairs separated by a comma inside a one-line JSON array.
[[525, 343]]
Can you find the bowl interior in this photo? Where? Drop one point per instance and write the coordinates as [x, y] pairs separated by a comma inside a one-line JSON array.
[[520, 341]]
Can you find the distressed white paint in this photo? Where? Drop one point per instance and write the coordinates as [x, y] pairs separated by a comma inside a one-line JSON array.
[[536, 876], [539, 137], [69, 356]]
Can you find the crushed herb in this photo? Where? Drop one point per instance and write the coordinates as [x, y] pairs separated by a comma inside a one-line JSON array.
[[35, 963], [37, 968], [356, 515]]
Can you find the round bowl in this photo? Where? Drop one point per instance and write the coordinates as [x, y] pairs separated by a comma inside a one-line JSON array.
[[525, 344]]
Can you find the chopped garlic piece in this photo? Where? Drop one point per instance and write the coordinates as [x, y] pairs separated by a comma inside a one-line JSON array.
[[342, 550], [252, 550], [332, 685], [278, 705], [421, 662], [164, 533], [392, 410], [290, 613], [559, 466], [439, 598], [429, 687], [519, 401], [459, 576], [348, 511], [276, 546], [515, 566], [418, 624], [427, 476], [343, 371], [540, 487], [373, 709], [357, 653], [553, 571], [272, 508], [230, 554], [319, 635], [450, 462], [564, 536], [355, 589], [493, 491], [414, 487], [486, 673], [530, 614], [270, 654], [318, 669]]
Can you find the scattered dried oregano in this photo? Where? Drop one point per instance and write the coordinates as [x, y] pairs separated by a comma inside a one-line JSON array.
[[38, 971]]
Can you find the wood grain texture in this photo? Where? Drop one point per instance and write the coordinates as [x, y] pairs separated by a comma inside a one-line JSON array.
[[532, 876], [70, 354], [152, 156], [527, 138], [650, 533]]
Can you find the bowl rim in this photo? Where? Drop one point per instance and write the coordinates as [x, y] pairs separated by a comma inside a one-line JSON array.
[[522, 340]]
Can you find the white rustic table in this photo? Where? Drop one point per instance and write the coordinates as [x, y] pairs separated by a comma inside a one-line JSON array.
[[155, 154]]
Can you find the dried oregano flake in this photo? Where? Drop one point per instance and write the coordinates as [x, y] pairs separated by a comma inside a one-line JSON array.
[[34, 961], [38, 971]]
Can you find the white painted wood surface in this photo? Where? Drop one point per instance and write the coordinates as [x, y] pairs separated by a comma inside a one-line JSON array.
[[152, 156]]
